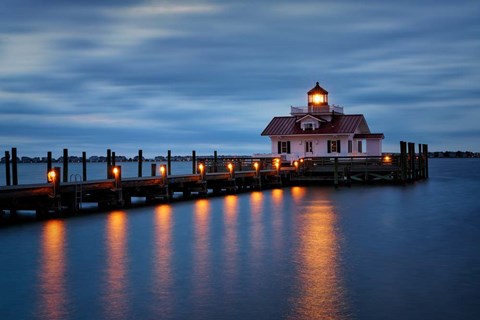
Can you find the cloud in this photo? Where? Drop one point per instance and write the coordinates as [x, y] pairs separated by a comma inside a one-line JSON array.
[[211, 74]]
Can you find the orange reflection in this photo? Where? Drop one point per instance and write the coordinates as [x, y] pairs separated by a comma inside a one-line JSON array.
[[163, 259], [277, 197], [202, 272], [231, 238], [298, 193], [256, 234], [319, 287], [52, 273], [116, 282]]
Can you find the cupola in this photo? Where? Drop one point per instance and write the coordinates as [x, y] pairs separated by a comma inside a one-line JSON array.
[[317, 96]]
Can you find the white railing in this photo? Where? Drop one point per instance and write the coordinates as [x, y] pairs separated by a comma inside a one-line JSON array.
[[316, 110]]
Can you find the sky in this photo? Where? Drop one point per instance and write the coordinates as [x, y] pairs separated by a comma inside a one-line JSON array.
[[210, 75]]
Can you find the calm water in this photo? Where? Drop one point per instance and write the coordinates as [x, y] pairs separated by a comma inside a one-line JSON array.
[[377, 252]]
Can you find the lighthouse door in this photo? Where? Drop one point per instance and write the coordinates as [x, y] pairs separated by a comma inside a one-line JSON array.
[[308, 148]]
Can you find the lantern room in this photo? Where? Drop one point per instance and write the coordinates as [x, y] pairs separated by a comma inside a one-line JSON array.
[[317, 96]]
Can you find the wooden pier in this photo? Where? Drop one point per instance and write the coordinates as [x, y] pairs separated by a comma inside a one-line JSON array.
[[210, 175]]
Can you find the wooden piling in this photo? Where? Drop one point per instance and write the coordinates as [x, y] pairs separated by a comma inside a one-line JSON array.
[[169, 162], [194, 162], [420, 161], [403, 160], [153, 169], [65, 165], [109, 164], [7, 168], [425, 152], [49, 162], [215, 161], [140, 160], [114, 160], [411, 154], [84, 166], [14, 167]]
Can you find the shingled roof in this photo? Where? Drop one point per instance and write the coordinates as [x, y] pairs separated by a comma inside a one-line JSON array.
[[284, 126]]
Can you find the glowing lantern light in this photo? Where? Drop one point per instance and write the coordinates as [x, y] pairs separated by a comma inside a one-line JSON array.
[[295, 163], [51, 175], [230, 167], [317, 99], [201, 167], [115, 171], [255, 165]]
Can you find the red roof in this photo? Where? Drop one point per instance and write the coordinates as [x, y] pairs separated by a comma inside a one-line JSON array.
[[284, 126]]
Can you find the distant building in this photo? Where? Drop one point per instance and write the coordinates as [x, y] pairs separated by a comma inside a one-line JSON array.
[[321, 130]]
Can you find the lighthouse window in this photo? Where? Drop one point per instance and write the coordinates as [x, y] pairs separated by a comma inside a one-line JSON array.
[[284, 147], [333, 146]]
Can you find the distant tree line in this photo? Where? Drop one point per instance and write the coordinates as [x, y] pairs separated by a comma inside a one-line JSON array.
[[454, 154]]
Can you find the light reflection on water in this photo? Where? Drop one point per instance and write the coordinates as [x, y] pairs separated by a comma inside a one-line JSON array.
[[202, 273], [319, 291], [116, 278], [53, 295], [162, 261]]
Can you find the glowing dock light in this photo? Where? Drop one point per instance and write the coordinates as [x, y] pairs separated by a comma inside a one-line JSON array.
[[51, 176], [255, 165], [200, 168], [295, 163], [387, 159], [230, 167], [162, 170], [115, 171]]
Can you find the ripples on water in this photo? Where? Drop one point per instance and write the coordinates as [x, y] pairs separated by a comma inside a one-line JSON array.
[[294, 253]]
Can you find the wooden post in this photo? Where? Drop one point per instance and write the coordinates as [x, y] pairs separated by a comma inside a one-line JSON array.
[[65, 165], [194, 162], [84, 166], [215, 161], [425, 151], [7, 168], [169, 162], [14, 167], [335, 173], [49, 161], [153, 169], [109, 163], [114, 160], [411, 154], [420, 161], [403, 160], [140, 159]]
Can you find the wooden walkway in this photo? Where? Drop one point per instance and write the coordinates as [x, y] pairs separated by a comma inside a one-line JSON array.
[[212, 175]]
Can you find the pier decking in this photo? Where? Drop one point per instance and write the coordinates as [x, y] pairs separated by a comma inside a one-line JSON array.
[[210, 175]]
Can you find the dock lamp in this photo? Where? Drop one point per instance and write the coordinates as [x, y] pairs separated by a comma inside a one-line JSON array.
[[230, 169], [295, 164], [256, 166], [163, 173], [117, 175], [201, 170], [53, 176], [277, 165]]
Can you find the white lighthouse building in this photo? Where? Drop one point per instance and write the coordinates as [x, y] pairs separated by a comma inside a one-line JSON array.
[[321, 130]]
